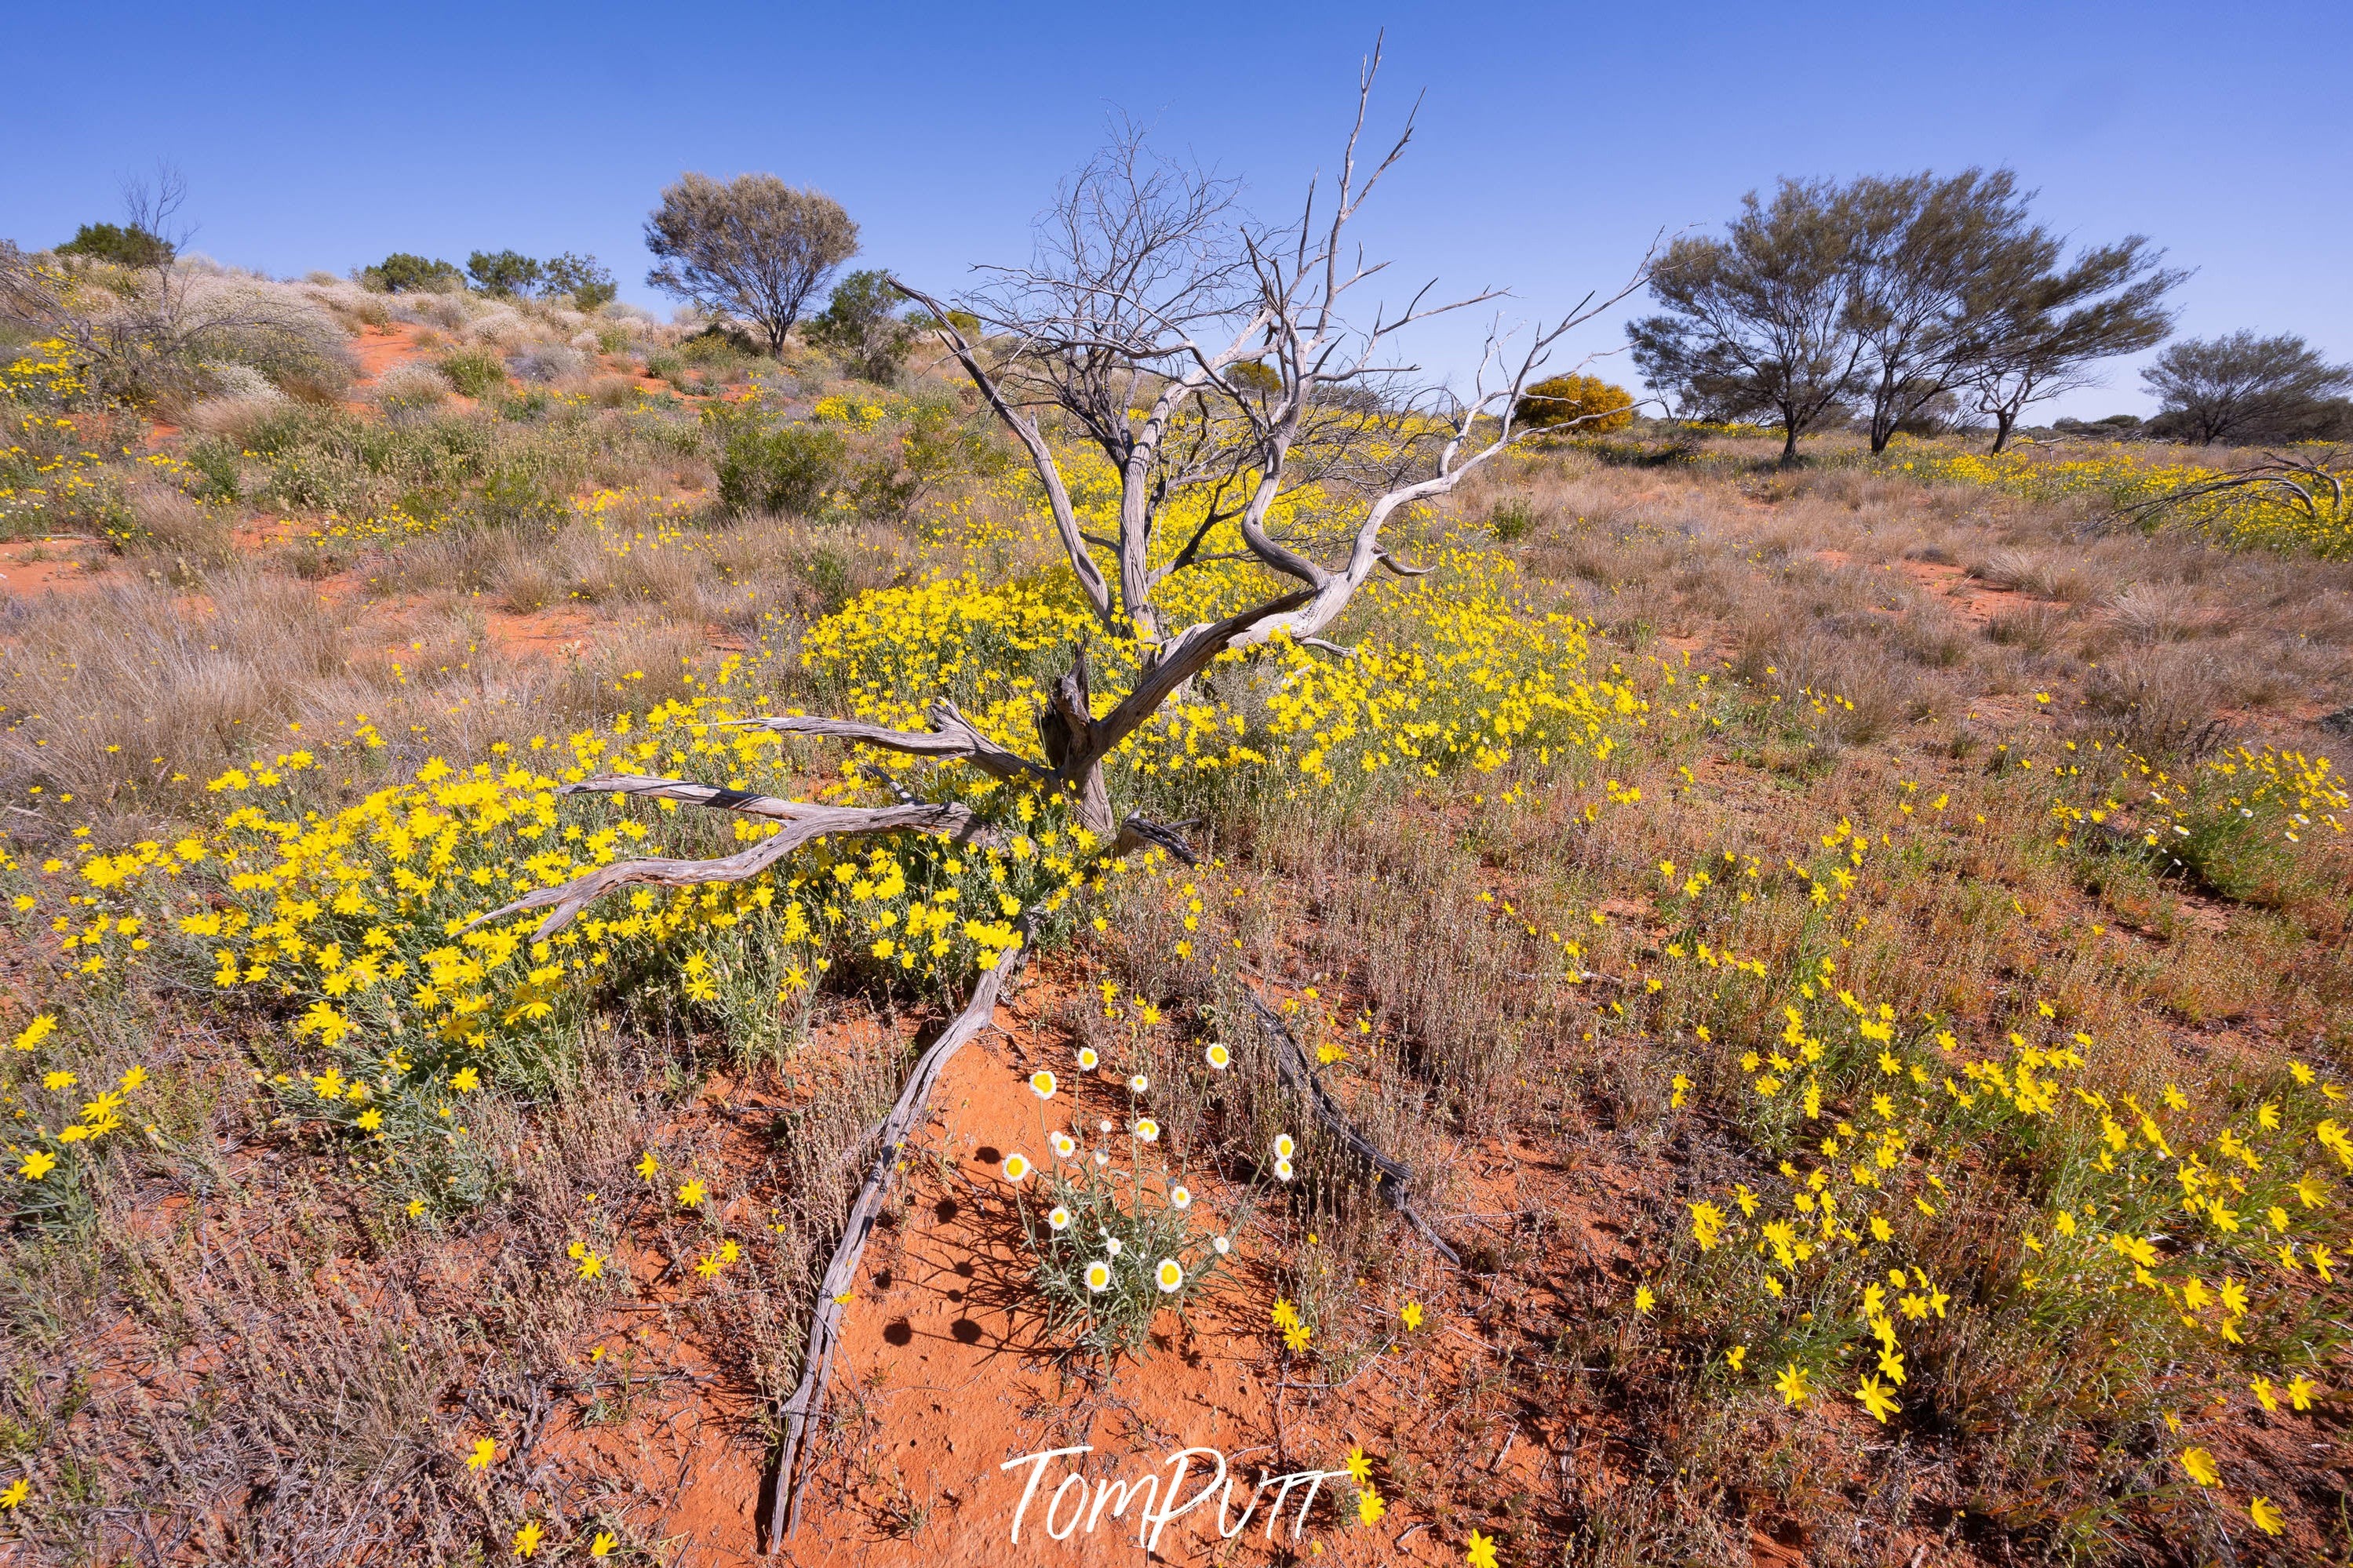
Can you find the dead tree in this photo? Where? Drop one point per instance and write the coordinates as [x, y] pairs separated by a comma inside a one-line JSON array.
[[1217, 366], [2314, 484]]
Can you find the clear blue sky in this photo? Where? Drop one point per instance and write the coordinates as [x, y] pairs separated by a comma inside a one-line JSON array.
[[1555, 140]]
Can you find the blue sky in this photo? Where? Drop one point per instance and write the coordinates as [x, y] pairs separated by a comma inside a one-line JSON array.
[[1555, 140]]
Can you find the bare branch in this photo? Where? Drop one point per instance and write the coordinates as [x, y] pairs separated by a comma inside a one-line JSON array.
[[806, 1405], [1393, 1177], [802, 822], [1041, 454], [951, 735]]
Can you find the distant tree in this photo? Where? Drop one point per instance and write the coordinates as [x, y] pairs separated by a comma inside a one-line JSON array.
[[124, 246], [404, 272], [861, 325], [752, 248], [504, 273], [2042, 329], [1587, 402], [1759, 322], [2246, 388], [587, 285]]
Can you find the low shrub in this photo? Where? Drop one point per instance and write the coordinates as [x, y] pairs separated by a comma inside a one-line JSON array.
[[402, 272], [474, 372], [777, 468]]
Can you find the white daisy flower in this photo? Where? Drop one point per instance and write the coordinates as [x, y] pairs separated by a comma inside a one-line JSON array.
[[1147, 1129], [1058, 1218], [1170, 1275], [1219, 1057], [1283, 1147], [1064, 1145], [1138, 1084], [1283, 1170], [1223, 1245], [1016, 1167], [1180, 1197], [1098, 1276], [1087, 1058], [1042, 1084]]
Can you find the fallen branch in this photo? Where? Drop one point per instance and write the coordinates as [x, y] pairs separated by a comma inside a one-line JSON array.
[[803, 821], [807, 1400], [1392, 1178]]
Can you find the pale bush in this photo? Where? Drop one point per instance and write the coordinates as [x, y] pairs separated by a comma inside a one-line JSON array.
[[412, 385], [236, 383], [501, 325], [234, 419], [547, 361], [446, 312]]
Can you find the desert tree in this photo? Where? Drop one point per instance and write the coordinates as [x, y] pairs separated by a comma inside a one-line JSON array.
[[2043, 331], [1130, 330], [753, 249], [1930, 259], [861, 325], [1956, 290], [1760, 322], [2245, 387]]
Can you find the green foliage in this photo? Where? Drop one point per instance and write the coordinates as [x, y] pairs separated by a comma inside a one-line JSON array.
[[1512, 521], [123, 244], [404, 272], [937, 442], [589, 285], [777, 468], [216, 461], [474, 372], [503, 274], [1585, 402], [719, 343], [859, 325], [1259, 380]]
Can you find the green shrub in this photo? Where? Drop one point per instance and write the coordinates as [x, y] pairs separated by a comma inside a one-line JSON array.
[[404, 272], [860, 326], [124, 246], [519, 494], [504, 273], [1512, 521], [216, 461], [784, 468], [719, 345], [474, 372]]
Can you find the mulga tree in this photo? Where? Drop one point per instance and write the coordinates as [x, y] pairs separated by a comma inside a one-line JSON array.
[[1219, 365], [2047, 329]]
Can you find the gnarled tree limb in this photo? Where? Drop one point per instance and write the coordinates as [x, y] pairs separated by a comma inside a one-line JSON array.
[[951, 735], [1393, 1178], [807, 1403], [802, 822]]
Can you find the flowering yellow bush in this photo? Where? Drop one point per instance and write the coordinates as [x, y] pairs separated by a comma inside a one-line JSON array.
[[351, 925], [2245, 518]]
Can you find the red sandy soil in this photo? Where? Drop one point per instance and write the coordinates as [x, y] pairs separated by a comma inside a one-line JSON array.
[[61, 572], [379, 349], [948, 1370]]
